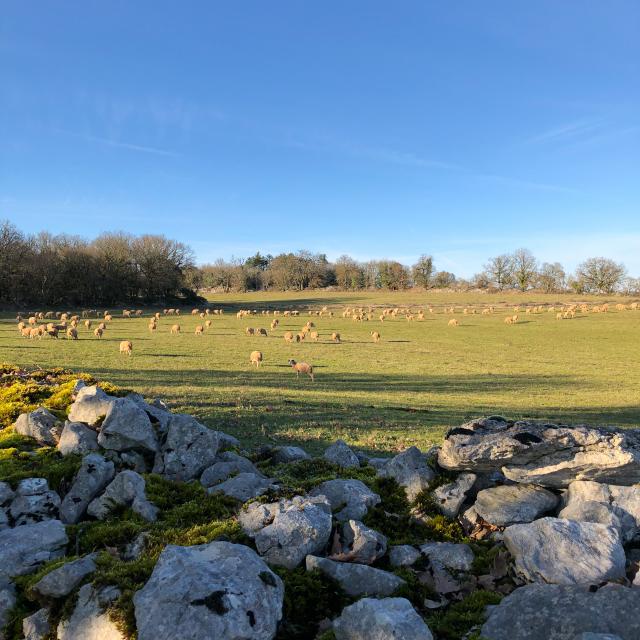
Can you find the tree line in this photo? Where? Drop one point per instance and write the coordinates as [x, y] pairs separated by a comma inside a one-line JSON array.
[[51, 270], [118, 268], [519, 270]]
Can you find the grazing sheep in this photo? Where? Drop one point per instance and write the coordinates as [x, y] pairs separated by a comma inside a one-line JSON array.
[[126, 313], [261, 332], [157, 315], [199, 330], [335, 336], [87, 324], [207, 323], [274, 324], [175, 329], [256, 358], [195, 312], [302, 367], [72, 333], [33, 320], [453, 322], [309, 325], [52, 332], [314, 335], [153, 327], [102, 326], [21, 326], [301, 336], [126, 346], [288, 336], [250, 331], [508, 320], [108, 318], [375, 335], [559, 315], [26, 332], [34, 332], [98, 332]]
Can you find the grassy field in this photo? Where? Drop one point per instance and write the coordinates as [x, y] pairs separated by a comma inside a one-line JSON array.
[[422, 377]]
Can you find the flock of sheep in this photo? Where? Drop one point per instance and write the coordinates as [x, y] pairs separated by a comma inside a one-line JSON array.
[[54, 324]]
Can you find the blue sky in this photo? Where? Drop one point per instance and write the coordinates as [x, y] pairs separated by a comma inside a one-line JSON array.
[[372, 128]]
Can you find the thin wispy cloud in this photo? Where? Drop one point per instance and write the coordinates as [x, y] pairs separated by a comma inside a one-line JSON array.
[[119, 144], [570, 131]]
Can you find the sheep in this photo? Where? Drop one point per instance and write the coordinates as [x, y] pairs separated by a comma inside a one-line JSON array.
[[375, 335], [559, 315], [301, 336], [126, 346], [34, 332], [309, 325], [454, 322], [508, 320], [199, 330], [274, 324], [250, 331], [261, 332], [87, 324], [108, 318], [207, 323], [138, 313], [195, 312], [302, 367], [52, 332], [203, 316], [33, 320], [126, 313], [175, 329], [74, 324], [157, 315], [314, 335], [255, 358], [21, 326], [98, 332], [288, 336], [335, 336], [26, 332], [72, 333], [153, 327]]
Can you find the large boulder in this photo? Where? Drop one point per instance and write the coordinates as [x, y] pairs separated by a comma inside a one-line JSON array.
[[23, 549], [450, 555], [350, 499], [7, 602], [544, 454], [216, 590], [410, 470], [94, 475], [357, 579], [64, 579], [127, 489], [189, 448], [381, 619], [359, 543], [286, 532], [34, 502], [513, 504], [90, 406], [90, 619], [157, 411], [561, 551], [6, 494], [227, 465], [127, 427], [243, 487], [340, 454], [605, 503], [78, 438], [36, 626], [403, 555], [451, 496], [562, 612], [41, 425]]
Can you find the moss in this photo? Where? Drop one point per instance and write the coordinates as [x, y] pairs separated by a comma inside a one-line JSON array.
[[459, 618], [413, 590], [484, 553], [309, 597]]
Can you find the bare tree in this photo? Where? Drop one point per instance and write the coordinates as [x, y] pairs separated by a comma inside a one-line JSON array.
[[552, 277], [525, 269], [500, 271], [422, 271], [600, 275]]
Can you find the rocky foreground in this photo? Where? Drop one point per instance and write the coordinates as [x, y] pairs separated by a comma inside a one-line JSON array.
[[508, 531]]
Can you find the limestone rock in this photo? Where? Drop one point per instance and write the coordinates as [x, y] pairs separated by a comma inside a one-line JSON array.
[[357, 579], [544, 454], [126, 426], [36, 626], [340, 454], [562, 612], [77, 437], [34, 507], [457, 557], [94, 475], [91, 404], [23, 549], [290, 454], [352, 498], [7, 602], [6, 493], [90, 620], [513, 504], [451, 496], [410, 470], [126, 489], [561, 551], [243, 487], [216, 590], [299, 527], [381, 619], [41, 425], [360, 544], [189, 448], [403, 555], [63, 580], [222, 470]]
